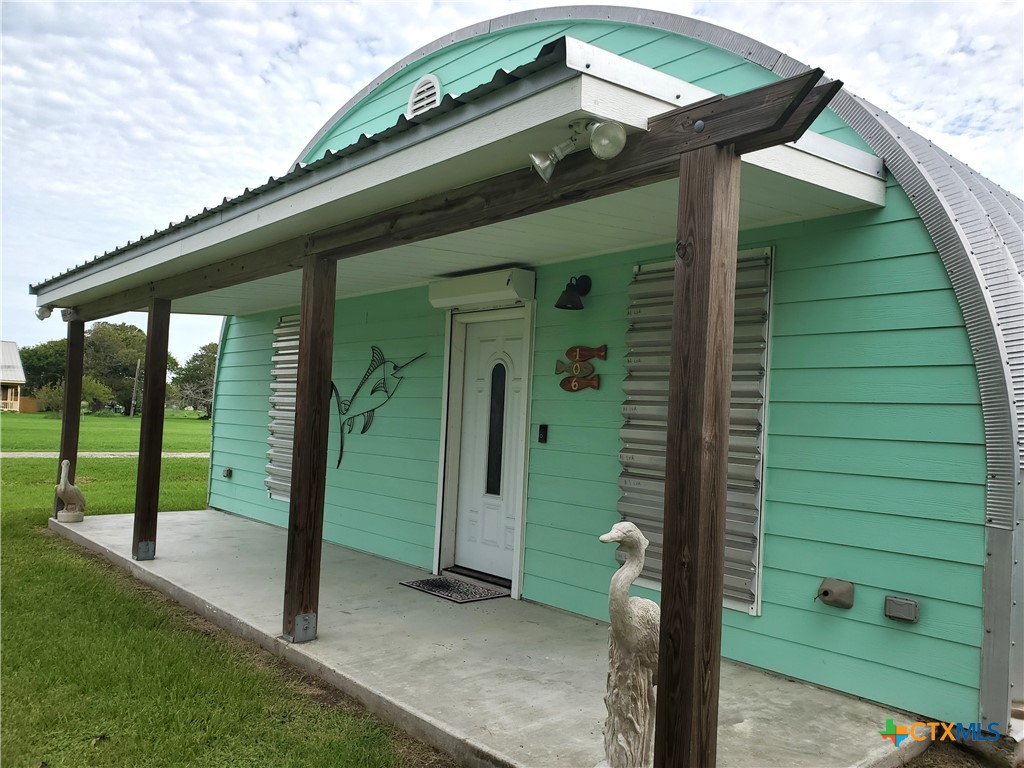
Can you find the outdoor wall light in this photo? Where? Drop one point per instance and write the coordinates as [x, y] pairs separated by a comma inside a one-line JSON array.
[[606, 139], [544, 162], [574, 289], [44, 312]]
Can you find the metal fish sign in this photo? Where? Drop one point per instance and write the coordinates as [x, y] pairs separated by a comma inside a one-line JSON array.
[[576, 369], [383, 378], [575, 383], [579, 354]]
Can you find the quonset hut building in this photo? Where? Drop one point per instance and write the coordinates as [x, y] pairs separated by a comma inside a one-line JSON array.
[[878, 368]]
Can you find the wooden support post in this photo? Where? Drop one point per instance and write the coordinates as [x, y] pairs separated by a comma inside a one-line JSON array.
[[309, 449], [151, 438], [71, 416], [697, 456]]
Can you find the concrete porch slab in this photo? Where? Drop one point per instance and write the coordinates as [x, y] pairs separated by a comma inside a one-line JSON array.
[[501, 682]]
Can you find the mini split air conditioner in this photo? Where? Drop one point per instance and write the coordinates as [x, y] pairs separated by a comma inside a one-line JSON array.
[[489, 289]]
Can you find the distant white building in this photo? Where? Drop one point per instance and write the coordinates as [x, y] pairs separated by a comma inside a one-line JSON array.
[[12, 376]]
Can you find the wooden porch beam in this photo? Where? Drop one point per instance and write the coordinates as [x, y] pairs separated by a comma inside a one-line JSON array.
[[71, 415], [147, 483], [274, 260], [309, 449], [648, 158], [797, 124]]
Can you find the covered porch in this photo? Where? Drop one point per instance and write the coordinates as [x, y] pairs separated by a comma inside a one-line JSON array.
[[495, 683], [501, 683]]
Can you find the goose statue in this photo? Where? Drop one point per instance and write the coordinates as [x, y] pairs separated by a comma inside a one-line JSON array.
[[74, 501], [632, 658]]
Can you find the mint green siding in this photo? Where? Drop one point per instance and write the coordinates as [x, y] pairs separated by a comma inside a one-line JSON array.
[[573, 485], [463, 66], [874, 457], [241, 403], [875, 468], [383, 498]]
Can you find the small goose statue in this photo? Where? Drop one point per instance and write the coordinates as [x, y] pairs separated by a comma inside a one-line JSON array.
[[74, 501]]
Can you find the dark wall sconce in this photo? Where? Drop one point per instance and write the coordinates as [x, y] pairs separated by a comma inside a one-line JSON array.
[[574, 289]]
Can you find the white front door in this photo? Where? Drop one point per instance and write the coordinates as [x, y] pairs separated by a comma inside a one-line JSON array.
[[490, 456]]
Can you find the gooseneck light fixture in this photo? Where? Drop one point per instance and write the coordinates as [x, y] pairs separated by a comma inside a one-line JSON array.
[[606, 139], [574, 289]]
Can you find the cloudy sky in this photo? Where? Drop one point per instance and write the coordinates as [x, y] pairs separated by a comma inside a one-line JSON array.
[[118, 118]]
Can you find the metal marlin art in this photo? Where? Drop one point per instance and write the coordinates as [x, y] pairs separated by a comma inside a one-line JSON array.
[[383, 379]]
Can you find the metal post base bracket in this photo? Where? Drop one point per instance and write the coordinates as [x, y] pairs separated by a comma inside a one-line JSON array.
[[305, 629], [146, 551]]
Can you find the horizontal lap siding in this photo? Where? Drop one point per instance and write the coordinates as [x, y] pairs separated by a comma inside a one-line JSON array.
[[874, 461], [382, 499], [240, 406], [875, 467], [573, 484]]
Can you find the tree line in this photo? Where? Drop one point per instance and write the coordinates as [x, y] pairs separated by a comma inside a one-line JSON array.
[[113, 352]]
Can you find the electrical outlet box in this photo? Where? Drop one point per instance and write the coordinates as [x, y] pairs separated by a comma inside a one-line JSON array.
[[901, 609]]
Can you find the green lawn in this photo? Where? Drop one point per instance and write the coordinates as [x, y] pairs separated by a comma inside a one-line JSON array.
[[41, 432], [98, 670]]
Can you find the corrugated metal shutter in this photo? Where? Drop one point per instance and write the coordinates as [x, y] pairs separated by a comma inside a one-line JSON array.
[[282, 408], [645, 411]]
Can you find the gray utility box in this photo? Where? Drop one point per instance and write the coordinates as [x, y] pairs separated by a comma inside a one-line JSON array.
[[901, 609]]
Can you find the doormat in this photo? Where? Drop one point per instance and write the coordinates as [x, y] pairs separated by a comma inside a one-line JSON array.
[[456, 590]]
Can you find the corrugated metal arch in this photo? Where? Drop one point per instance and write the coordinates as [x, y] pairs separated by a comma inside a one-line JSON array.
[[976, 227]]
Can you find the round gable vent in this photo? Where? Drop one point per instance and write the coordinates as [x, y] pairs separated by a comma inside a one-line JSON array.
[[425, 95]]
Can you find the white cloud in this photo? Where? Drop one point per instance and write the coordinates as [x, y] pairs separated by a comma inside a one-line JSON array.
[[117, 118]]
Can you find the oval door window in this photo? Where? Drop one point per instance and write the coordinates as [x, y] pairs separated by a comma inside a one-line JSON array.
[[496, 430]]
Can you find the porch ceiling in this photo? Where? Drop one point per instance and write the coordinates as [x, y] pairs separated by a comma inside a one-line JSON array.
[[631, 219]]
